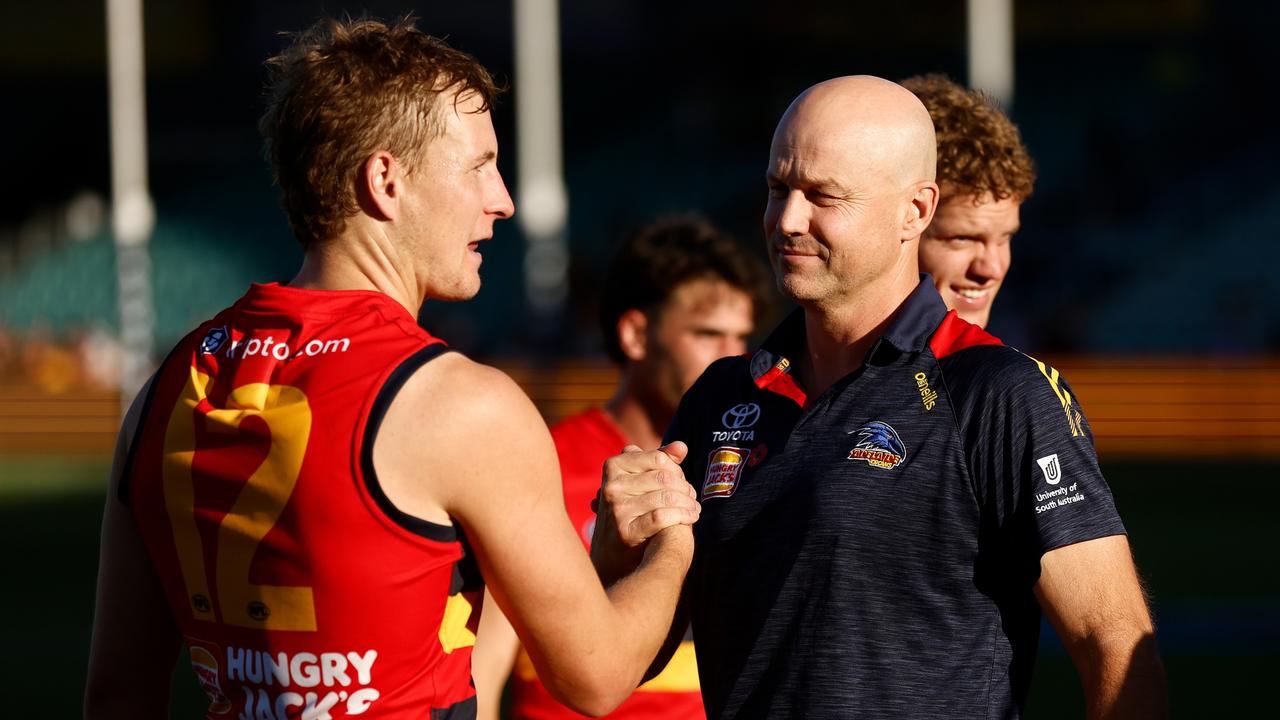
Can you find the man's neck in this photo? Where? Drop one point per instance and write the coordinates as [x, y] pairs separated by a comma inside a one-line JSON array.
[[359, 261], [838, 337], [641, 421]]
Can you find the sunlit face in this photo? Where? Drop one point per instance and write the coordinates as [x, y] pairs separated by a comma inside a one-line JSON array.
[[966, 249], [832, 220], [453, 197], [702, 321]]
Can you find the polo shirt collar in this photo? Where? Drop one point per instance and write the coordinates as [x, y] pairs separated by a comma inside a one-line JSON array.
[[914, 322], [916, 318]]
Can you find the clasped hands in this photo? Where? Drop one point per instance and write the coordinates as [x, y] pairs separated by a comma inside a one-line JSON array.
[[643, 496]]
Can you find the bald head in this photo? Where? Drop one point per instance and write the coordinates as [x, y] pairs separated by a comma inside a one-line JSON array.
[[851, 190], [878, 124]]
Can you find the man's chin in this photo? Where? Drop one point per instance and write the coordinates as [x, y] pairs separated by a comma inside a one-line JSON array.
[[456, 294], [976, 317]]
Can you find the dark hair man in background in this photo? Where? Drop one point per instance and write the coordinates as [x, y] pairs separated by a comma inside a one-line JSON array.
[[890, 496], [984, 176], [290, 492], [677, 296]]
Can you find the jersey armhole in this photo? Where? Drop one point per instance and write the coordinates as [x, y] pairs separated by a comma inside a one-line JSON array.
[[395, 381]]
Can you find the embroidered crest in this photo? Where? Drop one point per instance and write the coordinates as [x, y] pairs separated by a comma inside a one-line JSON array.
[[879, 445]]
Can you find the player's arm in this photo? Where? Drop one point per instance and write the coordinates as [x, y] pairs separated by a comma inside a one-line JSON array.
[[494, 469], [623, 525], [1091, 594], [492, 658], [135, 641]]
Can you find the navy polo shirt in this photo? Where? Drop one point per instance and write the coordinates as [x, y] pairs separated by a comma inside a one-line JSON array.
[[871, 552]]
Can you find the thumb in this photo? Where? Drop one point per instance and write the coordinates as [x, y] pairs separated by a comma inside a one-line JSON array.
[[676, 451]]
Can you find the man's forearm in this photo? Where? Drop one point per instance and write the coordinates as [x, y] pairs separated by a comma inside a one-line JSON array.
[[643, 604], [647, 597], [1125, 680]]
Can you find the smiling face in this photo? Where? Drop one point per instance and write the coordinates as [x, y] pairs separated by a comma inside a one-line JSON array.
[[966, 250], [850, 166], [829, 228], [452, 199]]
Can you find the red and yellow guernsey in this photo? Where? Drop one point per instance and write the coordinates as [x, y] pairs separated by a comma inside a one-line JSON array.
[[302, 592]]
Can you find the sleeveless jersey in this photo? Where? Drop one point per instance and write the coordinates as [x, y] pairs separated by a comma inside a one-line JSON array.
[[301, 591], [583, 443]]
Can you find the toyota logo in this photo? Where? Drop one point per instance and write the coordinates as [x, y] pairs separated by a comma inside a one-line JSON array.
[[741, 416]]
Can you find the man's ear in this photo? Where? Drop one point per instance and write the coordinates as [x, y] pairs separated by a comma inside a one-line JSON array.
[[633, 328], [922, 202], [378, 186]]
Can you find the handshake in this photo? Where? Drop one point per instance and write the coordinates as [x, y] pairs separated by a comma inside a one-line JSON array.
[[645, 506]]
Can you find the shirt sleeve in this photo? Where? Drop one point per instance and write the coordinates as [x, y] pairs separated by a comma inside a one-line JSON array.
[[1035, 470]]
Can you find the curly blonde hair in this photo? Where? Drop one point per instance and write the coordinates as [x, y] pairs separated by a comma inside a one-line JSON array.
[[979, 148], [345, 89]]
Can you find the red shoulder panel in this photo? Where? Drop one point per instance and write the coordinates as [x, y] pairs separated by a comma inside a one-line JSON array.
[[955, 334]]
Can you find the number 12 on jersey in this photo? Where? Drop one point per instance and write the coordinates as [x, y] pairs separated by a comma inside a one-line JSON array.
[[256, 510]]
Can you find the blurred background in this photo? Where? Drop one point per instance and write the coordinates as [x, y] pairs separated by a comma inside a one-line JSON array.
[[1145, 268]]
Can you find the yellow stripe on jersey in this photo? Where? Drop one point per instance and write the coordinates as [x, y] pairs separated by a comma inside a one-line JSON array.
[[680, 675], [454, 630], [1074, 421]]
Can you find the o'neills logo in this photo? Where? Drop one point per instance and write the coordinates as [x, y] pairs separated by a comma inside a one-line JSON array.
[[928, 397], [205, 666]]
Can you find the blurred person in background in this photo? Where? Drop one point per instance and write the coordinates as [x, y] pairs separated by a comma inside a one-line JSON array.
[[891, 497], [305, 489], [984, 175], [678, 295]]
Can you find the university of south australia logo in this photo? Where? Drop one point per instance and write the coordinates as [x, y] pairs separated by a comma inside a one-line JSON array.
[[878, 445], [1051, 468]]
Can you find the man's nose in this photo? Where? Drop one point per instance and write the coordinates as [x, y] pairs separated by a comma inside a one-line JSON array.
[[794, 219], [502, 205], [989, 263]]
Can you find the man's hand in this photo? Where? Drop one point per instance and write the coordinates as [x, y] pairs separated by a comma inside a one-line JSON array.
[[641, 494]]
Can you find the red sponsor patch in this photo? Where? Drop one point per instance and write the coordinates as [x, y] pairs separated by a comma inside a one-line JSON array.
[[724, 470]]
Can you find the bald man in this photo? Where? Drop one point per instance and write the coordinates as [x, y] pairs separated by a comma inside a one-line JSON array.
[[890, 496]]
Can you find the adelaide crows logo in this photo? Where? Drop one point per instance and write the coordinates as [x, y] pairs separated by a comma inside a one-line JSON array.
[[879, 445]]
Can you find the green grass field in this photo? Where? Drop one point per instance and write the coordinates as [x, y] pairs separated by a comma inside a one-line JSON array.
[[1201, 531]]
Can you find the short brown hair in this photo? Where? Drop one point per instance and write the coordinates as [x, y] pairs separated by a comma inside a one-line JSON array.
[[979, 148], [659, 258], [345, 89]]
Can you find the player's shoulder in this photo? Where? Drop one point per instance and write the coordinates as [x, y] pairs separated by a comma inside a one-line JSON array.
[[997, 371], [456, 414], [989, 385], [457, 389]]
